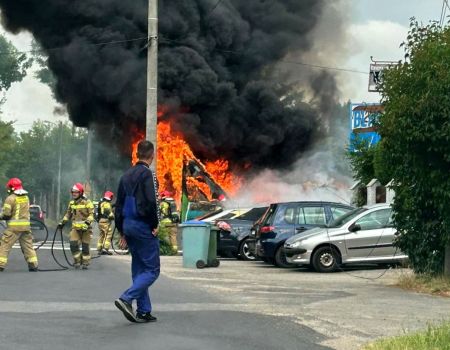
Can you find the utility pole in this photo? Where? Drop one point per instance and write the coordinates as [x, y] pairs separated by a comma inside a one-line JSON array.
[[152, 76], [58, 191]]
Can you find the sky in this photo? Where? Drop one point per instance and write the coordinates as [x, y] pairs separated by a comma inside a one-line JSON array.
[[372, 28]]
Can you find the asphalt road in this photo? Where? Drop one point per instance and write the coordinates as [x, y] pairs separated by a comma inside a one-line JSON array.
[[74, 309]]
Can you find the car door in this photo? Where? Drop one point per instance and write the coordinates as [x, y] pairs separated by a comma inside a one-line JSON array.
[[285, 220], [374, 239]]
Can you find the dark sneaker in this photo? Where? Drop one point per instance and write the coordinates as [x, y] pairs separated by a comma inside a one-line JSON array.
[[84, 267], [2, 269], [33, 269], [76, 266], [126, 309], [144, 318], [107, 252]]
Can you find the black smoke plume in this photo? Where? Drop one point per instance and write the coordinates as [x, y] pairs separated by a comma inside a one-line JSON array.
[[216, 64]]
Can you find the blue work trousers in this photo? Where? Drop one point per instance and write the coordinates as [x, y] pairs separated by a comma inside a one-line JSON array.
[[145, 267]]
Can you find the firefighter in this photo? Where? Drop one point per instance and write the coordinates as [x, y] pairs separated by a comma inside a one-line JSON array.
[[167, 219], [106, 216], [164, 207], [81, 212], [16, 212]]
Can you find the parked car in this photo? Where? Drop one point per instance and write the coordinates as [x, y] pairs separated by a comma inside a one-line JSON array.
[[222, 214], [283, 220], [234, 234], [360, 236], [37, 217]]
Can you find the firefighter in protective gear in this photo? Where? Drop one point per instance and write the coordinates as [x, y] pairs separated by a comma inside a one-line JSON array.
[[164, 207], [166, 218], [81, 212], [16, 212], [106, 216]]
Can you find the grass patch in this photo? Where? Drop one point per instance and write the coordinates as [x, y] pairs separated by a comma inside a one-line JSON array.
[[433, 338], [438, 285]]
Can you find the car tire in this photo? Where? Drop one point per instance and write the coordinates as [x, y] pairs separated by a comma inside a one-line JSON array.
[[326, 259], [280, 259], [244, 251]]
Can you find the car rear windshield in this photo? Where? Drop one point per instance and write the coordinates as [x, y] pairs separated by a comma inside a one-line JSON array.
[[342, 220], [253, 214], [268, 216]]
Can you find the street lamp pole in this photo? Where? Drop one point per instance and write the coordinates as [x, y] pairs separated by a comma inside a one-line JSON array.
[[152, 76]]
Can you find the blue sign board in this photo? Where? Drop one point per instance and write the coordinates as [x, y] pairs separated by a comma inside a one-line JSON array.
[[362, 118]]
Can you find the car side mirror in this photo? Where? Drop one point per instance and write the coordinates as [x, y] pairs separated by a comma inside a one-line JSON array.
[[354, 228]]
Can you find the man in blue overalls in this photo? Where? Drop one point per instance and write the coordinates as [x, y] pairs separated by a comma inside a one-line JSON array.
[[137, 217]]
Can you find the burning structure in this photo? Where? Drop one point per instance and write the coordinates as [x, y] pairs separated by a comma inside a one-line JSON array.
[[226, 107]]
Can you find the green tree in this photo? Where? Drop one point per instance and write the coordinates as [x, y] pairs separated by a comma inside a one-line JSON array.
[[13, 64], [43, 73], [7, 141], [415, 130], [35, 156]]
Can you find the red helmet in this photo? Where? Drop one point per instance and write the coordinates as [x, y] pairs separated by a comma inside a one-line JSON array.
[[14, 184], [78, 188], [165, 194], [222, 198], [108, 195]]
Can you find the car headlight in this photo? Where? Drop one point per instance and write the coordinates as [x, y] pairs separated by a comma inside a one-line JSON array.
[[295, 244]]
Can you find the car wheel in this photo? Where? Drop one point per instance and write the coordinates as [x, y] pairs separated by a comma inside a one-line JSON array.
[[245, 252], [325, 259], [280, 259]]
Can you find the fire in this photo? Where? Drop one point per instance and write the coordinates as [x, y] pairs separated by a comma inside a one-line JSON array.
[[174, 154], [220, 172], [138, 137]]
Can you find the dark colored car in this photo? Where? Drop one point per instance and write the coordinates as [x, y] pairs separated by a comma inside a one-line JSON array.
[[284, 220], [234, 234], [37, 217]]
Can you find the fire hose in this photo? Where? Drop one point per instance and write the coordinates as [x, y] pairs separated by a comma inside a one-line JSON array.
[[63, 267]]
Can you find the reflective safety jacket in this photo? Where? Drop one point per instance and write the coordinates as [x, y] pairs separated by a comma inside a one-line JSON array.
[[16, 211], [81, 212], [166, 212], [105, 210]]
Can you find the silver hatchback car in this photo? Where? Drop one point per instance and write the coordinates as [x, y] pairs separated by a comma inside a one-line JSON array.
[[360, 236]]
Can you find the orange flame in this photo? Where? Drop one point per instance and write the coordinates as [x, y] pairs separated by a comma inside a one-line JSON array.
[[173, 152], [137, 138]]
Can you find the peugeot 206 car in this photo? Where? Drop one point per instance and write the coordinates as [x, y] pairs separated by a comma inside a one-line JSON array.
[[363, 235], [283, 220]]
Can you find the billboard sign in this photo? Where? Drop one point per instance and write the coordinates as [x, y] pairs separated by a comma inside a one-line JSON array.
[[376, 74], [363, 119]]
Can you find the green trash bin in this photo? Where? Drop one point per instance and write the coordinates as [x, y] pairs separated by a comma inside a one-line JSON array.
[[212, 251], [199, 245]]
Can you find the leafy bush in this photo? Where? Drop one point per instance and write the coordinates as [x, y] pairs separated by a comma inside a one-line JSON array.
[[415, 131]]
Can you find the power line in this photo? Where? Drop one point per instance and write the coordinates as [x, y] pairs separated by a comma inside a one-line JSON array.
[[282, 61], [340, 69], [214, 7], [114, 42]]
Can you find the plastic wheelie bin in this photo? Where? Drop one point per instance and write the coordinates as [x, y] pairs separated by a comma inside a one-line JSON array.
[[199, 245]]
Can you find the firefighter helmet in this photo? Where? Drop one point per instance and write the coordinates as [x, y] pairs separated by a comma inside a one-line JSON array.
[[222, 198], [108, 195], [164, 194], [14, 184], [78, 188]]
